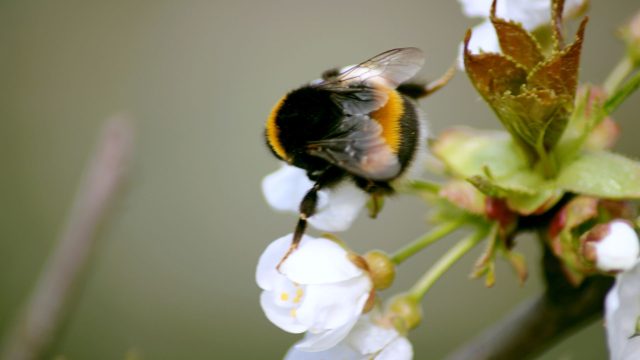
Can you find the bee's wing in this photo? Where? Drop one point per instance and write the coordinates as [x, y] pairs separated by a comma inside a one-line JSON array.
[[355, 90], [360, 100], [393, 67], [358, 147]]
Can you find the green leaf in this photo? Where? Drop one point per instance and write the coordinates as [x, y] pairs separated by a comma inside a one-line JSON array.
[[467, 152], [602, 174], [534, 204]]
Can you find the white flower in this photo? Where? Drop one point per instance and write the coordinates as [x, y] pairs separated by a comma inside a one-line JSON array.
[[367, 340], [618, 249], [337, 207], [622, 309], [530, 13], [318, 290]]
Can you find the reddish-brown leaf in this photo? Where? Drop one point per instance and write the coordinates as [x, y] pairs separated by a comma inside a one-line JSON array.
[[560, 73], [517, 43], [493, 74]]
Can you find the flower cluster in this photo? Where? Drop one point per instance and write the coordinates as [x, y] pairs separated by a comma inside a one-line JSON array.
[[323, 289], [551, 171]]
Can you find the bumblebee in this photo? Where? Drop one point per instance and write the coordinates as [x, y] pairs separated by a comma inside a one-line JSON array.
[[360, 123]]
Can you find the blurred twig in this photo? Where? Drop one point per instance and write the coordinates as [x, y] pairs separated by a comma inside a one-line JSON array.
[[48, 306], [539, 323]]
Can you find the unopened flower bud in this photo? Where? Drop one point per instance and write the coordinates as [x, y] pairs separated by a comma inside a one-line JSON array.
[[406, 312], [381, 269], [612, 246], [631, 35]]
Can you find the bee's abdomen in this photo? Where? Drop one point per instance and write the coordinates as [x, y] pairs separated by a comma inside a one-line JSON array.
[[409, 130], [399, 122]]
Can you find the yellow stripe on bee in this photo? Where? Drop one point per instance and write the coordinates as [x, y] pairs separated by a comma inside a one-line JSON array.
[[273, 132], [389, 117]]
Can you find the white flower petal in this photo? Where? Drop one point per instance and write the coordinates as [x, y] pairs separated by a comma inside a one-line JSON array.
[[319, 261], [266, 273], [284, 188], [368, 338], [365, 341], [476, 8], [333, 305], [619, 249], [484, 38], [324, 340], [622, 309], [336, 208], [399, 349], [343, 205], [530, 13], [283, 318], [338, 352]]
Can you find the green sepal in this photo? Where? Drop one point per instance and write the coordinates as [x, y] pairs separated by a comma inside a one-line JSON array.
[[465, 196], [467, 152], [496, 244], [535, 204], [533, 97], [602, 174]]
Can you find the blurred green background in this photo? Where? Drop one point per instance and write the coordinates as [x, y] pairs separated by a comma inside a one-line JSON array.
[[174, 275]]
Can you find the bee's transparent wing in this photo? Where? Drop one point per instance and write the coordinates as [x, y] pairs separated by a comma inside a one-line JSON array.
[[393, 67], [362, 88], [359, 148]]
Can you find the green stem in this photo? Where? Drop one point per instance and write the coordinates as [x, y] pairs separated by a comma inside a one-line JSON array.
[[443, 264], [423, 185], [547, 162], [622, 69], [425, 240], [622, 93]]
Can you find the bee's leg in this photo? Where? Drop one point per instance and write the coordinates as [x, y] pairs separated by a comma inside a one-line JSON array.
[[308, 208], [377, 192], [376, 201], [417, 90]]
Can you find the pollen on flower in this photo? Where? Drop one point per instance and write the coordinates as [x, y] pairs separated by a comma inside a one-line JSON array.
[[284, 296], [298, 297], [293, 313]]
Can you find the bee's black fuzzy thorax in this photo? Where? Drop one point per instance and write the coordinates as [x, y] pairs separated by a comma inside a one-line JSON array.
[[308, 114]]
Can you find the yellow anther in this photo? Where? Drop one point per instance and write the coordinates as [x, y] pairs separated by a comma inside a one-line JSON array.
[[284, 296], [299, 293], [293, 313]]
